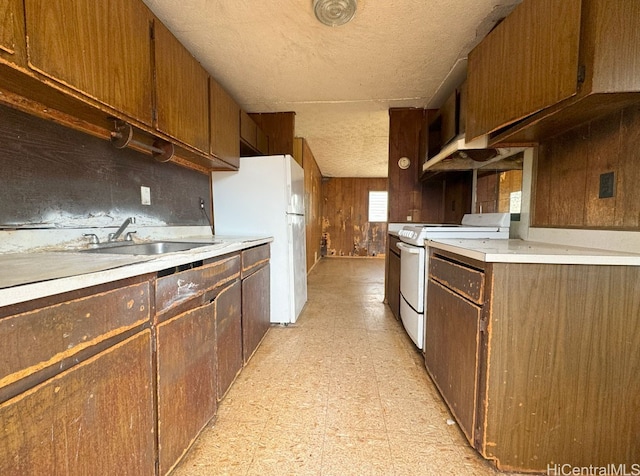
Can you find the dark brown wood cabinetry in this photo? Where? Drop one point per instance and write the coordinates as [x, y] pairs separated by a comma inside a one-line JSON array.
[[279, 129], [392, 281], [75, 368], [190, 304], [228, 336], [452, 349], [186, 354], [248, 133], [256, 300], [76, 420], [182, 91], [118, 61], [95, 382], [537, 361], [105, 55], [225, 124], [12, 37], [253, 140], [560, 64]]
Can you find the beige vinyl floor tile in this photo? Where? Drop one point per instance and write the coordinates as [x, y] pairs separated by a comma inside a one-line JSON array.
[[356, 453], [343, 391]]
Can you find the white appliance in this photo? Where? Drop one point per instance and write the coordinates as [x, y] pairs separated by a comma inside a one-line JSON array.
[[266, 197], [414, 261]]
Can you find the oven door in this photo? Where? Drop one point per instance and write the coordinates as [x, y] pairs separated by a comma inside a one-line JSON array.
[[412, 275]]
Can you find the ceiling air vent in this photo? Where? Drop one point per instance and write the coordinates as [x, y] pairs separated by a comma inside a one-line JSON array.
[[334, 12]]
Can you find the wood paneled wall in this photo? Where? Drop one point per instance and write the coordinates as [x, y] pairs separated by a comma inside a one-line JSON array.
[[493, 193], [405, 188], [346, 230], [312, 200], [53, 176], [444, 198], [568, 170]]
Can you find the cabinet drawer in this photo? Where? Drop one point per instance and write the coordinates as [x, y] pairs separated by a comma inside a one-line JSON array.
[[254, 258], [467, 282], [38, 339], [176, 289]]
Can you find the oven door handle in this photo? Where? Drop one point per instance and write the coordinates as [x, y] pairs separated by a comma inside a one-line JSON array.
[[414, 250]]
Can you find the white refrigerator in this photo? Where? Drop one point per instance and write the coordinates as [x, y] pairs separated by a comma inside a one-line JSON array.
[[266, 197]]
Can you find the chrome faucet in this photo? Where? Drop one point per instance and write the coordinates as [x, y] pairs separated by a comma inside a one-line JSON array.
[[125, 224]]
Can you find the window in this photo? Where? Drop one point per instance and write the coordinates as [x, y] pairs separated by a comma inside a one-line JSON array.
[[377, 206]]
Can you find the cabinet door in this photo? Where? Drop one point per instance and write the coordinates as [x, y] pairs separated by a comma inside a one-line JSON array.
[[102, 49], [255, 310], [225, 125], [393, 279], [228, 336], [182, 92], [96, 418], [452, 351], [248, 130], [186, 381], [12, 38], [527, 63]]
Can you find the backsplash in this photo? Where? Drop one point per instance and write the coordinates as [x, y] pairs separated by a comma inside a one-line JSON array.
[[54, 177]]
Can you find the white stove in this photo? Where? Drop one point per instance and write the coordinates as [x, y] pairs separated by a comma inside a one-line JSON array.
[[473, 226], [414, 266]]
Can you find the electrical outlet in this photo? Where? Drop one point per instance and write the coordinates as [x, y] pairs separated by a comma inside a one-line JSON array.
[[145, 195], [607, 185]]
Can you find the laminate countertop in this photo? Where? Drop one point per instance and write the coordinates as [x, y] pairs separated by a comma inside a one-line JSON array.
[[32, 275], [520, 251]]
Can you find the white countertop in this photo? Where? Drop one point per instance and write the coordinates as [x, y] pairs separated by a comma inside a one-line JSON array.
[[520, 251], [32, 275]]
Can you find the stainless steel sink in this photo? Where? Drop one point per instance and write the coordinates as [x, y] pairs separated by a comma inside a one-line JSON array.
[[151, 248]]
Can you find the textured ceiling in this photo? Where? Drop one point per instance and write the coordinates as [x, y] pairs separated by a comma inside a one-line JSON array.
[[275, 56]]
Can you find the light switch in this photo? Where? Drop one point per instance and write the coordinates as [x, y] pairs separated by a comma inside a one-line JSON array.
[[145, 195]]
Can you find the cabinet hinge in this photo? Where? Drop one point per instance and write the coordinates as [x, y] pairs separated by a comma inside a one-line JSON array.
[[582, 73], [483, 325]]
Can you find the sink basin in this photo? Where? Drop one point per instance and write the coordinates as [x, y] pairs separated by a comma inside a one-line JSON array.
[[152, 248]]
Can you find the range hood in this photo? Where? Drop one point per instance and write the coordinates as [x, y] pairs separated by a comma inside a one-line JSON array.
[[461, 155]]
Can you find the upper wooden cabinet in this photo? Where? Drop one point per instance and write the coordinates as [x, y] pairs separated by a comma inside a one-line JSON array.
[[280, 129], [546, 68], [182, 91], [248, 131], [102, 49], [12, 39], [225, 124]]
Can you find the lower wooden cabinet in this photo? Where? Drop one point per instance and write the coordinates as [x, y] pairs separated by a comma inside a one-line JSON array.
[[121, 378], [256, 298], [96, 418], [186, 381], [228, 336], [451, 351], [256, 303], [392, 284], [538, 362]]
